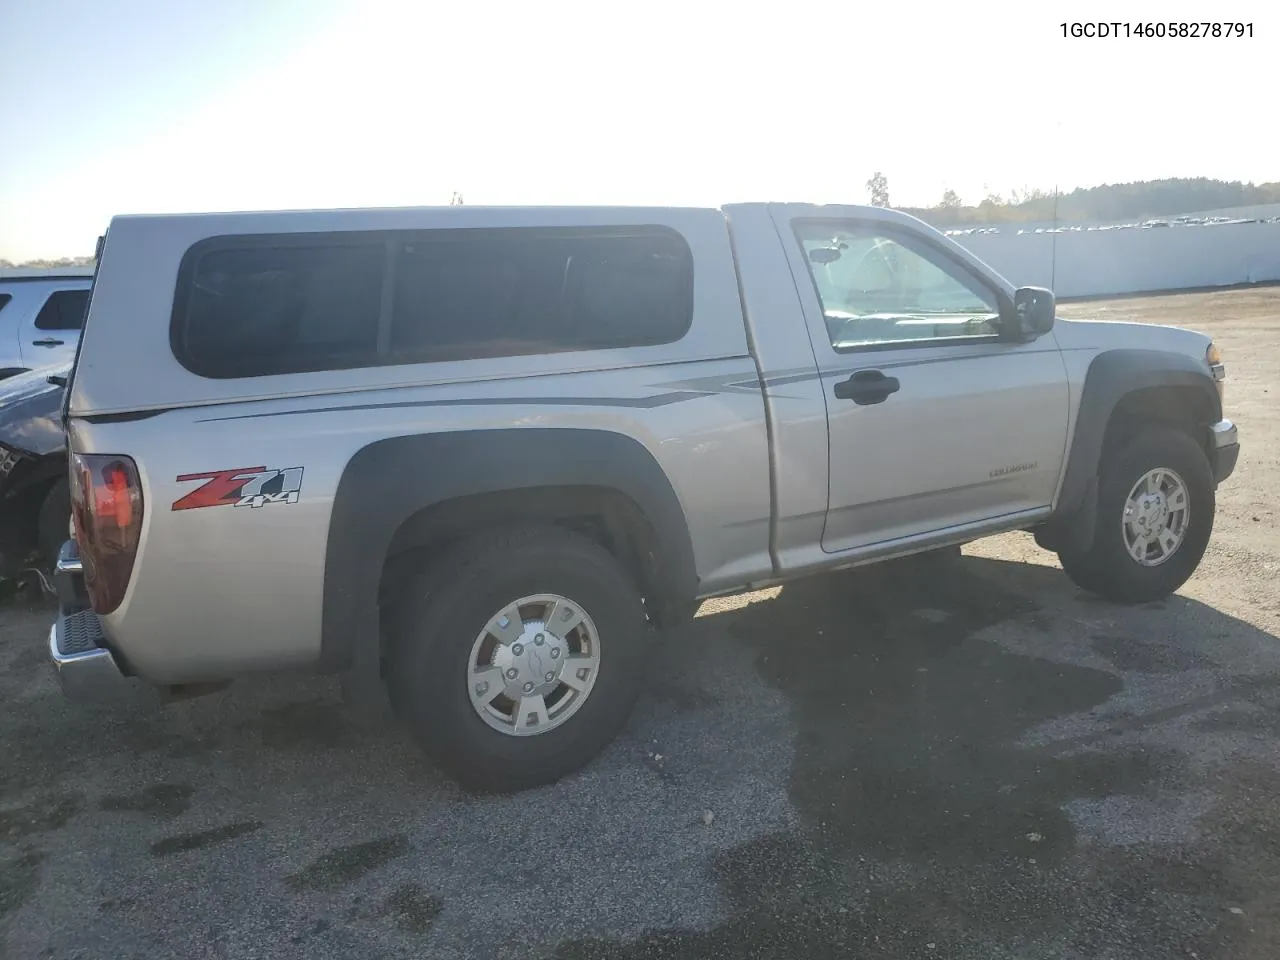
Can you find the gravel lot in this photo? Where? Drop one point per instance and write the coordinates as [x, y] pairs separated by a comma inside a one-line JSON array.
[[994, 766]]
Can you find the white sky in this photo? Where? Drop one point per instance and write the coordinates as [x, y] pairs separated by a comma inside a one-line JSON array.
[[379, 103]]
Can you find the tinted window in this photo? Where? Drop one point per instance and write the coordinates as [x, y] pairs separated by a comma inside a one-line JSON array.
[[64, 310], [4, 298], [252, 307], [255, 310], [506, 293]]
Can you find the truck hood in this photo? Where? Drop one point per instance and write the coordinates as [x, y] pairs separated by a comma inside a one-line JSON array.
[[1125, 335], [31, 411]]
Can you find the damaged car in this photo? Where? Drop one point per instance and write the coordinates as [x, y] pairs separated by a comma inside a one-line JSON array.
[[35, 506]]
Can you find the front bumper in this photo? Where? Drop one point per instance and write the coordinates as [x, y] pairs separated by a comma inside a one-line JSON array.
[[86, 669], [1226, 448]]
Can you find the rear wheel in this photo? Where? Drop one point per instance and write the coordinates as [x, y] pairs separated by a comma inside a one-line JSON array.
[[1155, 516], [518, 657]]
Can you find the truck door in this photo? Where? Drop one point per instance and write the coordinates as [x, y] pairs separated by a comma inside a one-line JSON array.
[[934, 422]]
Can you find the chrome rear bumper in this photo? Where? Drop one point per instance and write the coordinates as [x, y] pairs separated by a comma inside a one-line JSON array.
[[77, 646]]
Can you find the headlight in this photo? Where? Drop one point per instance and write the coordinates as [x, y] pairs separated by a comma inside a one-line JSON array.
[[1219, 372]]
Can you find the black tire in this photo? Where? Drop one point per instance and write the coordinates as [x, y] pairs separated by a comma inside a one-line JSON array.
[[1107, 569], [52, 525], [446, 607]]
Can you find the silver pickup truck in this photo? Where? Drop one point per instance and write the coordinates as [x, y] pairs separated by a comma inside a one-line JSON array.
[[477, 456]]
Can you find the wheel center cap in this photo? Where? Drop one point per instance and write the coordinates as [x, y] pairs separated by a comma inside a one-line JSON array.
[[1152, 513], [532, 663]]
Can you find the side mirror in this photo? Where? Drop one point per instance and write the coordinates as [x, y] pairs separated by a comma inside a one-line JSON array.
[[1034, 309]]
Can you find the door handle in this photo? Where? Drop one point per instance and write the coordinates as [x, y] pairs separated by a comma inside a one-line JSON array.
[[47, 342], [867, 387]]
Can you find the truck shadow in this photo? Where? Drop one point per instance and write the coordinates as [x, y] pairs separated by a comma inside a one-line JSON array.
[[912, 694], [908, 720], [923, 808]]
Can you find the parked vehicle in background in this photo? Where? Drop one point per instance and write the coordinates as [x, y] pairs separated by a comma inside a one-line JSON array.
[[476, 454], [35, 508], [41, 314]]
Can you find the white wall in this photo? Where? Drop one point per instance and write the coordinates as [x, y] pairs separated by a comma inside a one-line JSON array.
[[1258, 210], [1135, 260]]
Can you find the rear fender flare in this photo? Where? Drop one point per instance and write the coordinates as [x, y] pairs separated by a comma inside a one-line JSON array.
[[390, 480]]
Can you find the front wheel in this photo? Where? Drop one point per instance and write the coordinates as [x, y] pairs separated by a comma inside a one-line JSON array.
[[518, 657], [1155, 515]]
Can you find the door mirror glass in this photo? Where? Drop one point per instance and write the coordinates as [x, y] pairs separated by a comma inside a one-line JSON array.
[[1034, 309]]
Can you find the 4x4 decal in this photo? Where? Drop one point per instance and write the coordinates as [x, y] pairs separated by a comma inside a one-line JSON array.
[[244, 487]]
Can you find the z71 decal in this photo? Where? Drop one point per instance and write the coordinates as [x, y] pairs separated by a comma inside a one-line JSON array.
[[245, 487]]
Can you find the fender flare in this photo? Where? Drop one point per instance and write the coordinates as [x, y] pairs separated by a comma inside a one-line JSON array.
[[390, 480], [1113, 375]]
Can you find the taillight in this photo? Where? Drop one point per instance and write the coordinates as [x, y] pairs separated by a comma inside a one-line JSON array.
[[106, 512]]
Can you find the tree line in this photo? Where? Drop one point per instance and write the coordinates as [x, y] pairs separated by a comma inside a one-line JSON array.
[[1140, 200], [45, 264]]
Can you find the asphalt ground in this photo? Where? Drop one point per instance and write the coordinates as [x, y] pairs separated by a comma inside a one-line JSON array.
[[984, 764]]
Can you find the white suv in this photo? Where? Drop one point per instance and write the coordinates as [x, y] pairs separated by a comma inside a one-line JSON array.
[[41, 314]]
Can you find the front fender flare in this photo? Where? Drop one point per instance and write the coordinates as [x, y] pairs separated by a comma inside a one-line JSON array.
[[1112, 375]]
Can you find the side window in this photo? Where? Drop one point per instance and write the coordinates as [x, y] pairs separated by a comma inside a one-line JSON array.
[[64, 310], [252, 307], [490, 293], [4, 298], [256, 310], [878, 285]]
